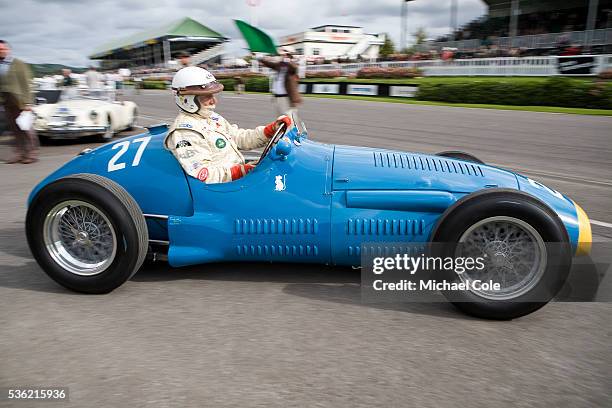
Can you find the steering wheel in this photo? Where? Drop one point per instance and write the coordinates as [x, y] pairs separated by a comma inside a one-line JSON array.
[[280, 132]]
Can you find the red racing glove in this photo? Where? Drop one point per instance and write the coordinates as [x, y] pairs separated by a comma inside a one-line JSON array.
[[240, 170], [273, 127]]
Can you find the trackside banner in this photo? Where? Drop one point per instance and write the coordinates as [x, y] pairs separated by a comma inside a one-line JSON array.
[[403, 91], [359, 89], [362, 89], [577, 65], [326, 88]]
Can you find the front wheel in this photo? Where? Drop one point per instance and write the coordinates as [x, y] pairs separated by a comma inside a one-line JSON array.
[[132, 124], [87, 233], [108, 134], [523, 245]]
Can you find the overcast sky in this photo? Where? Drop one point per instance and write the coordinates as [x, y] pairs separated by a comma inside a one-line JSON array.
[[67, 31]]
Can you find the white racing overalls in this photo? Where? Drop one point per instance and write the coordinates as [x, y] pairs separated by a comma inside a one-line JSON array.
[[206, 145]]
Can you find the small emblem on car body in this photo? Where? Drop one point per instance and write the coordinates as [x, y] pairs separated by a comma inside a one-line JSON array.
[[280, 183]]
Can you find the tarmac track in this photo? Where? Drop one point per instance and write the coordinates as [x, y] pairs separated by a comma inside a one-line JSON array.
[[286, 335]]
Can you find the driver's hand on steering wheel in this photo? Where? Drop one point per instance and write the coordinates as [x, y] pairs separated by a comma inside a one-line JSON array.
[[240, 170], [271, 128]]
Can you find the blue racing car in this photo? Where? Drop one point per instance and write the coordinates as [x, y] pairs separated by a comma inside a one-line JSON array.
[[91, 224]]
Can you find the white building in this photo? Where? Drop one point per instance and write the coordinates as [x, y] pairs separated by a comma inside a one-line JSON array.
[[334, 41]]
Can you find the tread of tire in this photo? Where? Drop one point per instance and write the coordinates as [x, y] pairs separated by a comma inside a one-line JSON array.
[[131, 205]]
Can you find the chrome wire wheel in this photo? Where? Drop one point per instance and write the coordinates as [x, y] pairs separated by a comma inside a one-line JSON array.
[[79, 238], [514, 256]]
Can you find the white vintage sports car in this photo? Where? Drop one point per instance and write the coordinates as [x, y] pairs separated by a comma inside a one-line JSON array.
[[72, 113]]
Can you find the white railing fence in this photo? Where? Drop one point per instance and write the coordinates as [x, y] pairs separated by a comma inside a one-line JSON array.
[[597, 37], [530, 66], [506, 66]]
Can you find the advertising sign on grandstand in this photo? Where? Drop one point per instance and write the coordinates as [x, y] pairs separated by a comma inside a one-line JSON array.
[[577, 65]]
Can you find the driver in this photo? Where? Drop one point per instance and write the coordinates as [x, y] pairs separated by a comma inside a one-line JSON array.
[[205, 144]]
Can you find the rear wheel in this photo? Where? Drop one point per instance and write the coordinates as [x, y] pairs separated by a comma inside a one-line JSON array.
[[524, 246], [87, 233]]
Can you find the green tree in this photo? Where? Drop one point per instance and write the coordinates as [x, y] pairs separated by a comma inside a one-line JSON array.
[[420, 35], [388, 47]]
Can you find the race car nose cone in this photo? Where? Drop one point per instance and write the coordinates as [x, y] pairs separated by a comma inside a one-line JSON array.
[[585, 236]]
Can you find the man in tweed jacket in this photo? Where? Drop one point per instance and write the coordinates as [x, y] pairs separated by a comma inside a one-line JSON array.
[[16, 96]]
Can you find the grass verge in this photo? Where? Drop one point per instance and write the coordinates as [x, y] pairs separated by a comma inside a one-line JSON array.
[[549, 109], [439, 80]]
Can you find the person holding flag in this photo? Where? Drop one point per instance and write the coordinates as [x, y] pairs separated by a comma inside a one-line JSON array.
[[284, 82]]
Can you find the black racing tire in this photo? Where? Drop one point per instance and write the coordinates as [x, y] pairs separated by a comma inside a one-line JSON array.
[[111, 201], [46, 140], [516, 206], [453, 154]]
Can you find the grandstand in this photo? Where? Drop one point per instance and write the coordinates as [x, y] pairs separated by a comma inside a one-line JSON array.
[[156, 47], [540, 27]]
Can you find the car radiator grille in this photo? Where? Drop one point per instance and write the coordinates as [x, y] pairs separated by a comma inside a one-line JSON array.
[[64, 118]]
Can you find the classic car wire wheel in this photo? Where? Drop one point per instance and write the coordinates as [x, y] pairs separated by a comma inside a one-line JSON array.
[[79, 237], [514, 256]]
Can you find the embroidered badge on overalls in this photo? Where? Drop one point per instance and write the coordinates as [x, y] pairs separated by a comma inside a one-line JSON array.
[[220, 143]]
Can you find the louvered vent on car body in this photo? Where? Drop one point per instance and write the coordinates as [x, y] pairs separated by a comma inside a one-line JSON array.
[[425, 163], [384, 250], [277, 250], [287, 226], [381, 226]]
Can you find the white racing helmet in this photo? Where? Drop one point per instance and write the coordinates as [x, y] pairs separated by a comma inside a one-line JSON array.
[[190, 82]]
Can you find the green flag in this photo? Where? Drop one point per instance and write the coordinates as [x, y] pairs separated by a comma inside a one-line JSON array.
[[257, 40]]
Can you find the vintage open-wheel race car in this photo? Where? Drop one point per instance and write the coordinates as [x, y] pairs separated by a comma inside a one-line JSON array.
[[91, 223]]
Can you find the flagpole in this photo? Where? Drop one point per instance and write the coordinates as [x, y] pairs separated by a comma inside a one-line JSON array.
[[253, 14], [402, 27]]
